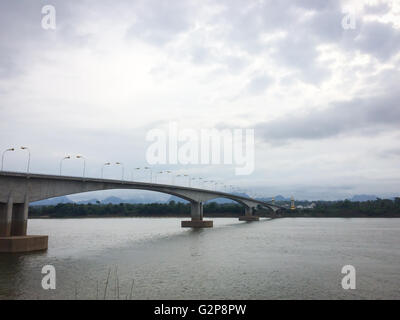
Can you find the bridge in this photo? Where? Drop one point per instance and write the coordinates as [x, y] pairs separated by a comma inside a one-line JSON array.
[[18, 189]]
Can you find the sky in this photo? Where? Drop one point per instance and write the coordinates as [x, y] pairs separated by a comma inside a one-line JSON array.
[[321, 95]]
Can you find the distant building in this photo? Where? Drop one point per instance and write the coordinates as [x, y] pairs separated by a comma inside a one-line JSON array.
[[310, 206], [292, 206]]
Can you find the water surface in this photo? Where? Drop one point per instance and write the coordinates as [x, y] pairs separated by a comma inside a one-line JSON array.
[[290, 258]]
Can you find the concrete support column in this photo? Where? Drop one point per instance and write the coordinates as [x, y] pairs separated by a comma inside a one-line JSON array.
[[248, 211], [19, 219], [248, 215], [6, 218], [196, 212], [13, 227]]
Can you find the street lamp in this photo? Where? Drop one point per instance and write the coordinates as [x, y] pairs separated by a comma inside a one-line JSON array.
[[29, 157], [102, 168], [66, 157], [190, 180], [84, 163], [122, 165], [215, 185], [151, 173], [133, 174], [186, 175], [155, 176], [172, 176], [2, 157], [177, 176]]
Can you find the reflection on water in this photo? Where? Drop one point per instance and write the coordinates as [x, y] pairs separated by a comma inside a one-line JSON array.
[[270, 259]]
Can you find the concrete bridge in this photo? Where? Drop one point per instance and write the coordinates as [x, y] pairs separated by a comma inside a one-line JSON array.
[[17, 190]]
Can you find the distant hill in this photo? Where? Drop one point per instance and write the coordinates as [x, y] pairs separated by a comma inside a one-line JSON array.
[[92, 201], [276, 198], [51, 201], [363, 197], [153, 199], [116, 200], [217, 200], [112, 200]]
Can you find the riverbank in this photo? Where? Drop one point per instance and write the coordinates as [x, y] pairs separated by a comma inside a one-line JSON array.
[[316, 215], [380, 208]]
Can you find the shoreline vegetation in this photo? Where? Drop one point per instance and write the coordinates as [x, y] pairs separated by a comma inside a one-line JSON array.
[[380, 208]]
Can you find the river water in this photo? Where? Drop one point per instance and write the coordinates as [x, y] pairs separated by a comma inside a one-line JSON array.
[[290, 258]]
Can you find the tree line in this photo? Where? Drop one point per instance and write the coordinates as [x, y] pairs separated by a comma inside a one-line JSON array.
[[170, 209], [345, 208]]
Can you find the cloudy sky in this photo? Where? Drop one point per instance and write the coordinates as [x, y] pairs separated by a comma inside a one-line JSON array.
[[323, 100]]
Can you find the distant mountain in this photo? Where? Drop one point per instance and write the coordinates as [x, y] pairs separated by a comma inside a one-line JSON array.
[[276, 198], [112, 200], [153, 199], [281, 198], [142, 199], [217, 200], [221, 201], [91, 201], [176, 199], [363, 197], [51, 201]]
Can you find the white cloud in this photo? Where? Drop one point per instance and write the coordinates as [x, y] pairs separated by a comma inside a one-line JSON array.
[[111, 71]]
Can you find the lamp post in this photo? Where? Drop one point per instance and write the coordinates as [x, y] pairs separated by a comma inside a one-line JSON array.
[[132, 173], [155, 176], [102, 168], [172, 176], [215, 186], [84, 163], [65, 158], [186, 175], [29, 157], [122, 165], [151, 173], [177, 176], [2, 157], [201, 182], [190, 181]]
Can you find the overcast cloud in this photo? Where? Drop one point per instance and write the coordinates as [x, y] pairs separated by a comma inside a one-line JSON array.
[[323, 100]]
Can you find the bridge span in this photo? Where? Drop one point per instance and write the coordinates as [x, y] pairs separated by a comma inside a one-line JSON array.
[[18, 189]]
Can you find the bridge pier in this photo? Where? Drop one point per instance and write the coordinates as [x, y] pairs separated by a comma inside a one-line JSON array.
[[6, 218], [196, 211], [19, 221], [13, 228], [248, 215]]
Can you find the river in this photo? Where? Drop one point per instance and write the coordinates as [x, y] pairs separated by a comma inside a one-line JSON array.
[[288, 258]]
